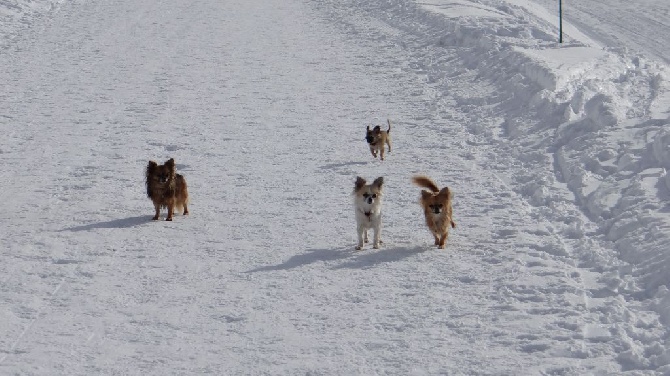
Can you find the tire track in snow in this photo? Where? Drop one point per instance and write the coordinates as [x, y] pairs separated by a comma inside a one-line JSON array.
[[28, 327]]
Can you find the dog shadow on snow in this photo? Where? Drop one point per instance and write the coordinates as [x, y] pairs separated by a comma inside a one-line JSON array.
[[345, 258], [115, 223]]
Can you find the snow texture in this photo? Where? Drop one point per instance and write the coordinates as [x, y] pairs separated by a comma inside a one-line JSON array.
[[556, 155]]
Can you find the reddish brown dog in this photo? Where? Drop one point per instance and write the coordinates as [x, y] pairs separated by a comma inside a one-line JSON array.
[[437, 209], [166, 188]]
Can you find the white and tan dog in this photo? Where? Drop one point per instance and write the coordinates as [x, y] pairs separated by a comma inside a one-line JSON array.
[[368, 204]]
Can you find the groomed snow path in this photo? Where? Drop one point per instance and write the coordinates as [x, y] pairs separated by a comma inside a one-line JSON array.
[[263, 104]]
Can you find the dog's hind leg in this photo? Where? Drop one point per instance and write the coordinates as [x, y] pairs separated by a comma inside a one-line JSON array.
[[182, 207]]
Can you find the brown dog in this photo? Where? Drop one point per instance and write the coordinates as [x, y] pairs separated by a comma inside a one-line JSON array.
[[166, 188], [436, 205], [376, 137]]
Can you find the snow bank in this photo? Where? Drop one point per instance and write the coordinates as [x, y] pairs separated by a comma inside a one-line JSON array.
[[608, 146]]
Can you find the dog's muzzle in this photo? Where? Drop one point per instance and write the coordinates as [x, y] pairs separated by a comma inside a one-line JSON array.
[[369, 198], [163, 178], [436, 209], [370, 139]]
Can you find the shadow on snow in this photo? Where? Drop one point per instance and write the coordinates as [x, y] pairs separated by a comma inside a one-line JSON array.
[[348, 258], [116, 223]]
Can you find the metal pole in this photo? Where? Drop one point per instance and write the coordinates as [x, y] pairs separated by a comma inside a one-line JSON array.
[[560, 21]]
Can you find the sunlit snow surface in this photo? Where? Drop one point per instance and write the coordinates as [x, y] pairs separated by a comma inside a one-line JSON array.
[[556, 154]]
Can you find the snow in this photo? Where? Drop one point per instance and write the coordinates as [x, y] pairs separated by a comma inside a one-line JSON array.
[[557, 155]]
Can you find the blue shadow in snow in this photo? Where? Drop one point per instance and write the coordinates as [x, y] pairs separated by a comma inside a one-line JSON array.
[[370, 258], [312, 256], [116, 223], [339, 165], [350, 258]]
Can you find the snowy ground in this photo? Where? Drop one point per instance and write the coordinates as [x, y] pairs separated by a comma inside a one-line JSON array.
[[557, 156]]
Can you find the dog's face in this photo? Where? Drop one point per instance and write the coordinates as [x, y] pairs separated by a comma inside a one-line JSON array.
[[368, 196], [161, 174], [373, 135], [436, 203]]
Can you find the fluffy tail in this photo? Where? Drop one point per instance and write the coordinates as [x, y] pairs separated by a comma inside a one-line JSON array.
[[388, 121], [425, 182]]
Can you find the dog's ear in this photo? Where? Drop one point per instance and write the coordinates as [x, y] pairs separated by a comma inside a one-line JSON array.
[[170, 164], [377, 129], [151, 167], [367, 128], [425, 195], [378, 182], [445, 192], [360, 183]]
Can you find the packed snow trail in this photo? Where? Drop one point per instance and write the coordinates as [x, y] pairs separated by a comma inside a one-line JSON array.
[[263, 105]]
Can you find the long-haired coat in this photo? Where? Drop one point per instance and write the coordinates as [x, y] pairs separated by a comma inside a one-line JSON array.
[[166, 188], [368, 205], [437, 209]]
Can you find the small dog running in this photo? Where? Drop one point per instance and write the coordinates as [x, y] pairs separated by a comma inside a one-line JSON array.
[[368, 205], [166, 188], [437, 209], [377, 139]]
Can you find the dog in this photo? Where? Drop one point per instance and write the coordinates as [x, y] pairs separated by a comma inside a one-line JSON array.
[[166, 188], [377, 139], [437, 209], [368, 205]]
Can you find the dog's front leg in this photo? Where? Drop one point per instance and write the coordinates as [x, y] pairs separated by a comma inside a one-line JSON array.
[[443, 240], [362, 236], [378, 236], [158, 212], [170, 208]]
